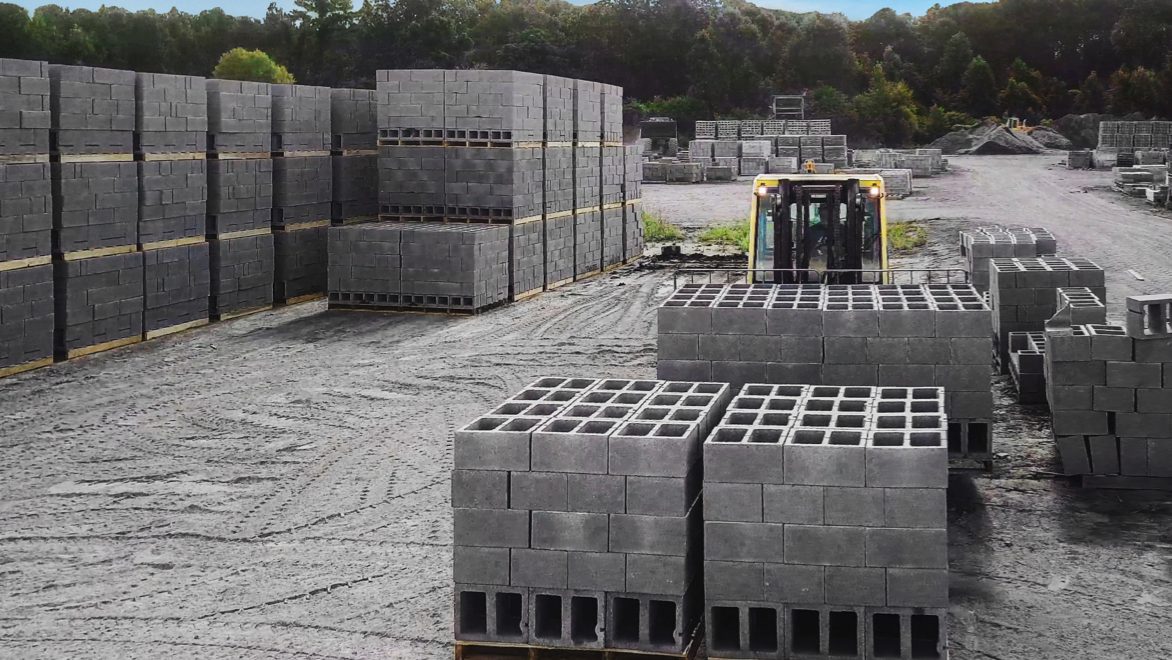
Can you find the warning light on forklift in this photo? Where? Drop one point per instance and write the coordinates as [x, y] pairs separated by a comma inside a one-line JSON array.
[[874, 192], [763, 191]]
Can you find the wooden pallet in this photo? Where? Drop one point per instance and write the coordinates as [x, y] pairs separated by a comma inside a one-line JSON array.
[[23, 159], [496, 651], [99, 252], [25, 263], [297, 300], [238, 155], [228, 316], [27, 366], [172, 243], [163, 332], [103, 347], [179, 155], [92, 158]]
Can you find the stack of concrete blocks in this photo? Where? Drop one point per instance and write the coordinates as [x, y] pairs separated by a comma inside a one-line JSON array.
[[588, 128], [935, 159], [632, 204], [728, 129], [701, 151], [825, 524], [857, 335], [577, 521], [834, 150], [95, 210], [303, 190], [782, 165], [982, 244], [171, 114], [26, 218], [1027, 366], [789, 146], [1079, 159], [751, 128], [92, 110], [614, 173], [1027, 350], [811, 148], [354, 117], [171, 139], [727, 153], [450, 267], [1022, 294], [240, 197], [1111, 395], [819, 126], [705, 130], [558, 181], [755, 155]]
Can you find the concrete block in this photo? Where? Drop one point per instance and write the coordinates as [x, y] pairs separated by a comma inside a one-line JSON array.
[[793, 504], [595, 493], [569, 531], [916, 587], [494, 443], [538, 568], [733, 502], [734, 580], [480, 565], [856, 586], [597, 571], [490, 528], [823, 457], [790, 583], [650, 535], [538, 491], [925, 508], [657, 574], [826, 545], [480, 489], [854, 506], [907, 548], [744, 542]]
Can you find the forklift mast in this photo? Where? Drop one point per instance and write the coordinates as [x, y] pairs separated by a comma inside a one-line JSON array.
[[840, 237]]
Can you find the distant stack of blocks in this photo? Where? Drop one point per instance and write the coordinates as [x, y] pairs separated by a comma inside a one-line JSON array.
[[981, 245], [1022, 294], [577, 521], [865, 335], [825, 524], [26, 218], [138, 205], [773, 154], [1110, 390], [539, 155]]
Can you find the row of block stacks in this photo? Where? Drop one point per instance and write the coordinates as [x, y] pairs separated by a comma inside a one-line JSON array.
[[1027, 350], [732, 129], [145, 204], [981, 245], [932, 335], [800, 521], [539, 155], [781, 154]]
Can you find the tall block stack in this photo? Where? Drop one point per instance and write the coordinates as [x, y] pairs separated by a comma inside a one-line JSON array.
[[26, 218], [1027, 366], [576, 515], [633, 202], [1110, 390], [354, 116], [588, 131], [825, 524], [1022, 294], [171, 123], [303, 192], [98, 271], [419, 265], [240, 197], [558, 181], [979, 246], [934, 335], [614, 175]]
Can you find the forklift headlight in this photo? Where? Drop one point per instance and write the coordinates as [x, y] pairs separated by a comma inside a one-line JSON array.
[[874, 192], [763, 191]]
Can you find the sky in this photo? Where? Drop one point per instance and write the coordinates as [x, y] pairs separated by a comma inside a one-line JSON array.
[[855, 9]]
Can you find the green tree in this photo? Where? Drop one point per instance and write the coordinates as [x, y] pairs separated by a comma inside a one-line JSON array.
[[1092, 95], [955, 59], [888, 109], [254, 65], [1018, 100], [978, 92], [1133, 90], [938, 121], [820, 54]]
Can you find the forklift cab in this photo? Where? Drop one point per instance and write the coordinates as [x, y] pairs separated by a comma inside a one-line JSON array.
[[832, 228]]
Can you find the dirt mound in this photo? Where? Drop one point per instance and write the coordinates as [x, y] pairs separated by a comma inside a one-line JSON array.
[[992, 139], [1083, 130], [951, 143], [1051, 139]]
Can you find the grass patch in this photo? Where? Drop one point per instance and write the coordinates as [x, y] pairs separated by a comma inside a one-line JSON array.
[[906, 236], [658, 230], [735, 234]]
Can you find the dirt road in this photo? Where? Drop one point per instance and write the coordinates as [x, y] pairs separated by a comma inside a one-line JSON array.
[[277, 486]]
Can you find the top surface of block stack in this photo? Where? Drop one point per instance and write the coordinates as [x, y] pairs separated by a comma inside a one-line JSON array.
[[171, 113], [354, 117], [301, 118], [577, 488], [24, 107], [240, 117], [92, 109], [981, 244], [818, 500]]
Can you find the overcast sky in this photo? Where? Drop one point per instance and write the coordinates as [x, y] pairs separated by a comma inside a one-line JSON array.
[[855, 9]]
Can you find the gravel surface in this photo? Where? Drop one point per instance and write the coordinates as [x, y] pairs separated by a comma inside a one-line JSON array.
[[277, 486]]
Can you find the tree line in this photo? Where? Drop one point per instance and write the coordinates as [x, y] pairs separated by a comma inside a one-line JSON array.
[[892, 77]]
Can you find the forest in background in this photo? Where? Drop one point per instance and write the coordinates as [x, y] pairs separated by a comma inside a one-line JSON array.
[[893, 78]]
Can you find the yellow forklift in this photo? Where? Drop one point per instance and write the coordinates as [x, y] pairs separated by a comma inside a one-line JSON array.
[[831, 228]]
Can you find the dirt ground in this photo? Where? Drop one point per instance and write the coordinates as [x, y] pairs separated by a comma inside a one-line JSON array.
[[277, 486]]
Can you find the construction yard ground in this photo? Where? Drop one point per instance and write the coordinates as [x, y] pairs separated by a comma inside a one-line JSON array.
[[277, 486]]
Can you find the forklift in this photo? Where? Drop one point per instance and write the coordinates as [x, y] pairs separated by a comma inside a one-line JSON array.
[[818, 228]]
